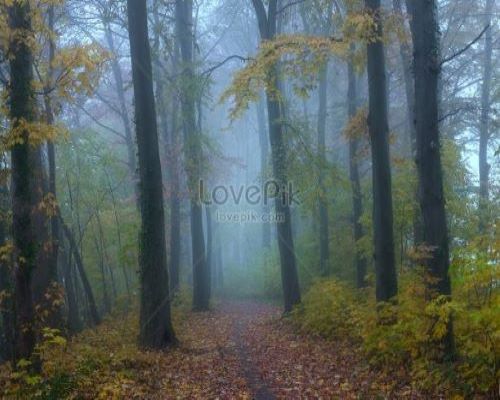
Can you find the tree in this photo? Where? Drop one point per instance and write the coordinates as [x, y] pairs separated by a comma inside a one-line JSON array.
[[425, 33], [264, 155], [324, 234], [193, 152], [22, 113], [156, 329], [7, 331], [51, 282], [357, 199], [405, 55], [175, 201], [385, 269], [324, 237], [170, 135], [289, 277], [484, 130]]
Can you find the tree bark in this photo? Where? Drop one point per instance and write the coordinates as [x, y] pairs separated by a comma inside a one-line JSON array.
[[484, 129], [7, 333], [210, 258], [324, 237], [425, 33], [170, 139], [193, 154], [175, 203], [45, 273], [22, 103], [156, 329], [289, 276], [385, 269], [357, 198], [55, 317], [405, 52], [264, 155]]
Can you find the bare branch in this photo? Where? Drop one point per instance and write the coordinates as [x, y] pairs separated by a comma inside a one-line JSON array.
[[293, 3], [220, 64], [119, 134], [460, 52]]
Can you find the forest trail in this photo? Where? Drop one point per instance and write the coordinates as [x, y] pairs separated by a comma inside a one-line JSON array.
[[244, 317], [246, 350]]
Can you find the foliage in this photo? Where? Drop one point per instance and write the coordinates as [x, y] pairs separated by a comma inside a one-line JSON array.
[[97, 202], [408, 341], [329, 309], [106, 363], [304, 57]]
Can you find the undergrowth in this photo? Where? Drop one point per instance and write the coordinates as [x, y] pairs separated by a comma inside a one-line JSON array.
[[99, 363], [334, 310]]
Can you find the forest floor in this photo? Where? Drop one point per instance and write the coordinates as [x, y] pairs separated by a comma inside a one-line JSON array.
[[247, 350], [239, 350]]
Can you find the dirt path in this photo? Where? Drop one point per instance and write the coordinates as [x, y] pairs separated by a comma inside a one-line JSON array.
[[245, 350], [278, 363], [256, 385]]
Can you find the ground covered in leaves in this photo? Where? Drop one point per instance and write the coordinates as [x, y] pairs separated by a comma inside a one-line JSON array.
[[240, 350]]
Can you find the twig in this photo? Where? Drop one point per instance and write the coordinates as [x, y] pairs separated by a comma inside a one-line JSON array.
[[460, 52], [293, 3], [220, 64]]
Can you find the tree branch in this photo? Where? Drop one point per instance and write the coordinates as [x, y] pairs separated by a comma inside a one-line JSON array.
[[293, 3], [460, 52], [227, 59], [119, 134]]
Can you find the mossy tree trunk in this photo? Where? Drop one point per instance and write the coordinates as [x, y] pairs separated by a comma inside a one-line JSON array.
[[156, 329], [383, 234]]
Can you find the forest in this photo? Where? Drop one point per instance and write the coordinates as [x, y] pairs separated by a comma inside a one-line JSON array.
[[249, 199]]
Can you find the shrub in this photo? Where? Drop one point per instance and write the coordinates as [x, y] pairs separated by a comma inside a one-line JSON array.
[[330, 309], [406, 335]]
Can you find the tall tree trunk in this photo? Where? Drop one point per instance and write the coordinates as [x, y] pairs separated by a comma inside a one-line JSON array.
[[357, 198], [220, 262], [405, 52], [175, 234], [7, 333], [45, 273], [324, 237], [175, 203], [264, 154], [385, 268], [22, 103], [170, 138], [425, 33], [193, 152], [156, 329], [484, 131], [210, 258], [289, 276], [55, 319]]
